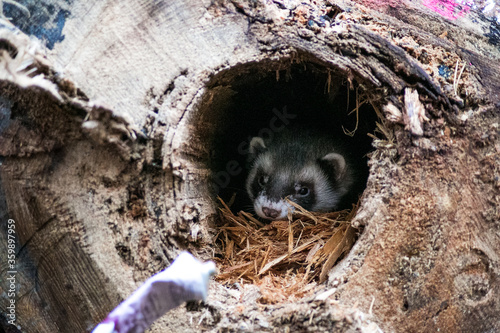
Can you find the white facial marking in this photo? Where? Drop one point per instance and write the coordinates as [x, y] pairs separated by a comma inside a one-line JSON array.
[[281, 206], [263, 162]]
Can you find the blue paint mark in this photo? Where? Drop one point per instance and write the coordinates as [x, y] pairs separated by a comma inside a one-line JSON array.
[[494, 34], [53, 35], [44, 22], [444, 71]]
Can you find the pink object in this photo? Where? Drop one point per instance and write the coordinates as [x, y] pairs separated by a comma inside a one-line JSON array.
[[450, 9]]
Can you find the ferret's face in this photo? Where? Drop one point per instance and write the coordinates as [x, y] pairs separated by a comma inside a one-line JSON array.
[[270, 181]]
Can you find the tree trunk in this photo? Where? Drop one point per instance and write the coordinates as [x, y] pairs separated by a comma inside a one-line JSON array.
[[117, 119]]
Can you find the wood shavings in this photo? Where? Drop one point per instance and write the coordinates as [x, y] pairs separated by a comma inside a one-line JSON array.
[[392, 113], [283, 257], [415, 112]]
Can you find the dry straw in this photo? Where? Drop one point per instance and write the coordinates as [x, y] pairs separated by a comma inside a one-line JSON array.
[[285, 258]]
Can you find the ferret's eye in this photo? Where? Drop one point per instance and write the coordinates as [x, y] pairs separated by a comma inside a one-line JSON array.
[[262, 180], [303, 191]]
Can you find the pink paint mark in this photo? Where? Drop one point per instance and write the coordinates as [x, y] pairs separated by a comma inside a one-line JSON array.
[[450, 9]]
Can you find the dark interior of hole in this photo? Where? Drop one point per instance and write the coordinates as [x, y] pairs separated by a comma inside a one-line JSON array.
[[257, 101]]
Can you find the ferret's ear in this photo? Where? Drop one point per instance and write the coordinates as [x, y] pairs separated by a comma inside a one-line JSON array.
[[257, 146], [337, 161]]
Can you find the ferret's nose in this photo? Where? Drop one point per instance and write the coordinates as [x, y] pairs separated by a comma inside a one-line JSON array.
[[269, 212]]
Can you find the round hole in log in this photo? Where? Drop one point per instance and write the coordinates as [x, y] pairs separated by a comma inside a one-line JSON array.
[[263, 98]]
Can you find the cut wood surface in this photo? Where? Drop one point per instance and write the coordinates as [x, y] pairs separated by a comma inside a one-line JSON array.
[[111, 119]]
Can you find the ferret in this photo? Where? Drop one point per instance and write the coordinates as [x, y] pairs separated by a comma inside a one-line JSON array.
[[306, 167]]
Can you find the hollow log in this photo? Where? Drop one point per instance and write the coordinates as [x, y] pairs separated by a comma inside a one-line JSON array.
[[120, 122]]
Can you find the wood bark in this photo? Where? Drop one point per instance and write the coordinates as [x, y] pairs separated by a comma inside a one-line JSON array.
[[107, 159]]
